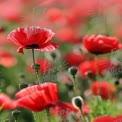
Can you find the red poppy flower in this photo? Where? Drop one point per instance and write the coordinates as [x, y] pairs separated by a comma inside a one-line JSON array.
[[7, 59], [104, 89], [38, 97], [104, 119], [103, 64], [33, 37], [101, 44], [73, 58], [44, 66], [6, 103]]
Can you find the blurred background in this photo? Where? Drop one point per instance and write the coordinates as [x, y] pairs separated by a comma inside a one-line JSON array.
[[71, 20]]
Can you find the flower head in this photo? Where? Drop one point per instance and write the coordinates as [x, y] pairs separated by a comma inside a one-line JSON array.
[[33, 37], [38, 97], [101, 44]]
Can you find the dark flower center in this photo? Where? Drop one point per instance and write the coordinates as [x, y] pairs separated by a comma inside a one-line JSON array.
[[97, 53], [32, 46]]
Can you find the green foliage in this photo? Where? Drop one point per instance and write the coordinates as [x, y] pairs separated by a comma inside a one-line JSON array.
[[99, 107]]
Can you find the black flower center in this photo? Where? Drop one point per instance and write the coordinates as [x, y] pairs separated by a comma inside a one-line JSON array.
[[32, 46]]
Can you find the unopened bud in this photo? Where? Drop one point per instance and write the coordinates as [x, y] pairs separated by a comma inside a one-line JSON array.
[[53, 55], [116, 82], [36, 67], [77, 102], [89, 74], [16, 113], [73, 70], [23, 85]]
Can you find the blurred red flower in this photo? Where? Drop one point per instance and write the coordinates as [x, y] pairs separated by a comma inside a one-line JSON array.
[[7, 59], [73, 58], [101, 44], [38, 97], [6, 103], [103, 64], [85, 67], [62, 109], [33, 37], [54, 14], [11, 13], [68, 34], [104, 119], [104, 89], [45, 65]]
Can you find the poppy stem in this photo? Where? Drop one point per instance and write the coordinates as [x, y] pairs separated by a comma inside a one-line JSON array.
[[97, 74], [38, 116], [35, 67], [82, 114], [47, 115], [74, 85]]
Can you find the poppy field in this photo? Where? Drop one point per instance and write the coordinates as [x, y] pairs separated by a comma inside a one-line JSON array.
[[60, 61]]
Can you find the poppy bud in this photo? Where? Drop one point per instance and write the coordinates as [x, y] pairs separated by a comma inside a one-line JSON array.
[[23, 85], [72, 70], [89, 74], [116, 82], [77, 102], [16, 113], [36, 67], [22, 76], [53, 55]]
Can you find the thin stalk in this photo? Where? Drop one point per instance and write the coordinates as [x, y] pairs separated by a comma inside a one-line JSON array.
[[74, 86], [36, 72], [97, 74], [81, 112]]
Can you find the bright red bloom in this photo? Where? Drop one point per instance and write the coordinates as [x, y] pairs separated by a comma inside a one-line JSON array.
[[7, 59], [101, 44], [33, 37], [73, 58], [6, 103], [104, 89], [104, 119], [38, 97], [45, 65]]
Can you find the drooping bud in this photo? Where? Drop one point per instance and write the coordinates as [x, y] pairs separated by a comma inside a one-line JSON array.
[[77, 102]]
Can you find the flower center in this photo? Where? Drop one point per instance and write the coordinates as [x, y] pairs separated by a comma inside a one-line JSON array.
[[32, 46]]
